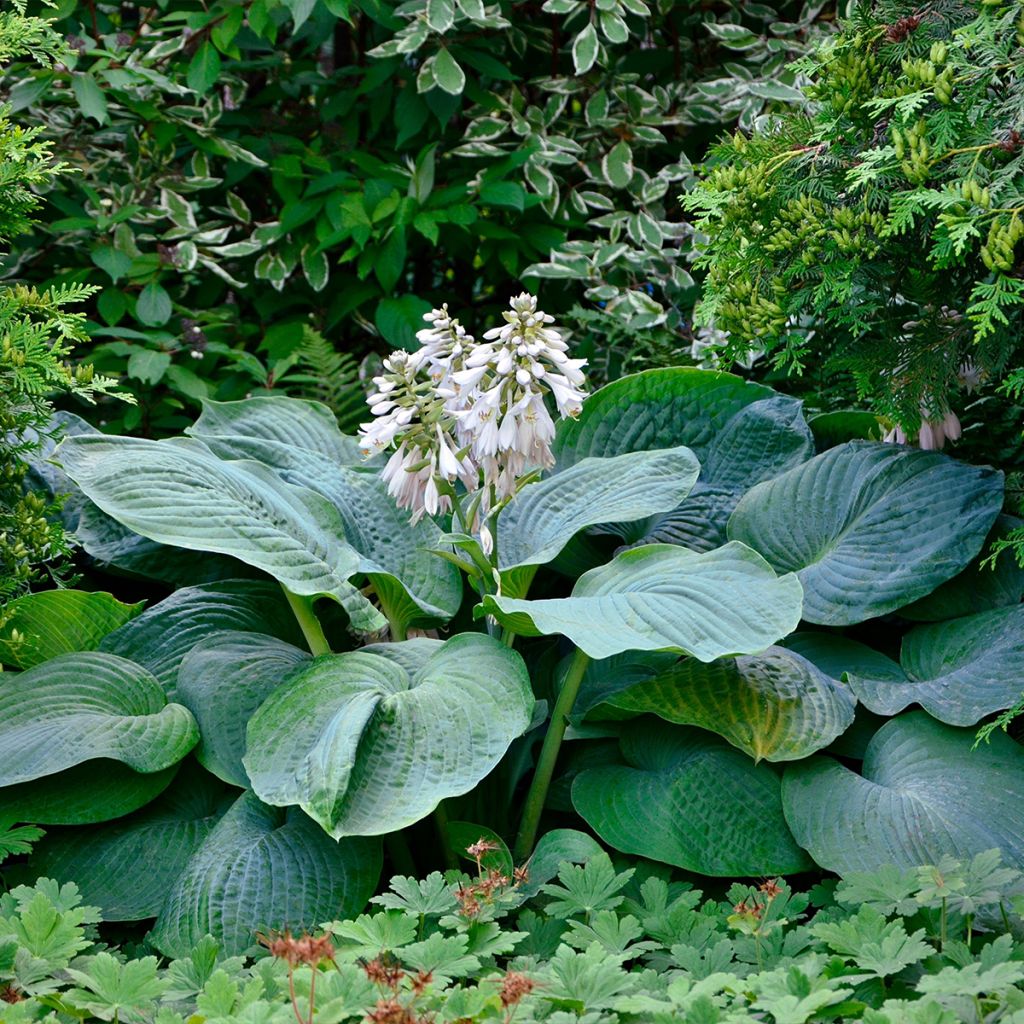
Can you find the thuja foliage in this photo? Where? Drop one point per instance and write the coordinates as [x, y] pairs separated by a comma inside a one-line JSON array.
[[879, 232], [37, 333], [937, 944]]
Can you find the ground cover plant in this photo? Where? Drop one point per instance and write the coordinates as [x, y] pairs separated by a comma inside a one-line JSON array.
[[939, 945], [655, 637]]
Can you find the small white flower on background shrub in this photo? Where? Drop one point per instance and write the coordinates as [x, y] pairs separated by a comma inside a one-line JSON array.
[[462, 411]]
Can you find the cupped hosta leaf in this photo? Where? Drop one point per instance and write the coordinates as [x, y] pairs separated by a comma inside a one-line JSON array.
[[923, 793], [869, 527], [222, 681], [105, 862], [958, 671], [535, 527], [607, 677], [82, 706], [741, 432], [40, 626], [774, 706], [162, 635], [262, 869], [979, 587], [726, 601], [292, 421], [93, 791], [685, 797], [115, 548], [415, 586], [178, 492], [372, 741]]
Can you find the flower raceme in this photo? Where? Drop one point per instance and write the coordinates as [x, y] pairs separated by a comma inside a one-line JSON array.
[[459, 410]]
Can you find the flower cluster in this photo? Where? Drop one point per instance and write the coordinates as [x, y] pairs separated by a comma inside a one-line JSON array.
[[462, 411]]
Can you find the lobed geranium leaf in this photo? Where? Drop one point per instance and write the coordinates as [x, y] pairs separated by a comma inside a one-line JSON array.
[[869, 527], [372, 741], [78, 707], [726, 601]]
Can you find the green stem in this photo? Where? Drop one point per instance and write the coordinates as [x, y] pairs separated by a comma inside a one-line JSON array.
[[538, 794], [400, 854], [451, 860], [302, 607]]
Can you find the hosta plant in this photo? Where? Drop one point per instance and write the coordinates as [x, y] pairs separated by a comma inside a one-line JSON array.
[[644, 619]]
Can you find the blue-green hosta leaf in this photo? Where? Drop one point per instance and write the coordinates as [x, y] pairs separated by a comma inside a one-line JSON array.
[[415, 586], [105, 862], [90, 705], [726, 601], [372, 741], [96, 790], [542, 519], [262, 869], [774, 706], [116, 548], [923, 793], [178, 492], [685, 797], [222, 681], [958, 671], [979, 587], [40, 626], [741, 432], [162, 635], [293, 421], [869, 527]]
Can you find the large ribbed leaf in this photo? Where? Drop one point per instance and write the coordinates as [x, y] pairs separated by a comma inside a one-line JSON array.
[[687, 798], [263, 869], [958, 671], [741, 432], [178, 492], [105, 862], [93, 791], [371, 741], [775, 705], [542, 519], [91, 705], [222, 681], [291, 421], [162, 635], [116, 548], [415, 586], [726, 601], [923, 793], [40, 626], [869, 527], [979, 587]]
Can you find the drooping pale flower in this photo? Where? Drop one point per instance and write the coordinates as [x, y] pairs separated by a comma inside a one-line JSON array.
[[461, 411]]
